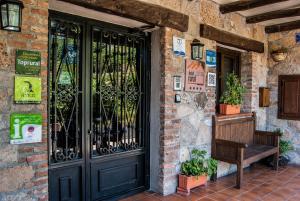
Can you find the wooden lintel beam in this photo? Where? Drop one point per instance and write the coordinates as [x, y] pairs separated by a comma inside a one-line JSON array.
[[230, 39], [273, 15], [246, 5], [283, 27], [138, 10]]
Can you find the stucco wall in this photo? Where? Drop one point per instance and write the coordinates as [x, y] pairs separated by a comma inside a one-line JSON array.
[[291, 65]]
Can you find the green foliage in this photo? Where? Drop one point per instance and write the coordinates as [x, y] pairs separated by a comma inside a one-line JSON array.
[[212, 166], [284, 145], [199, 165], [233, 91]]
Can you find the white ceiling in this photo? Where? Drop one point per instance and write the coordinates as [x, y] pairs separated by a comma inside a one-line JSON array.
[[268, 8]]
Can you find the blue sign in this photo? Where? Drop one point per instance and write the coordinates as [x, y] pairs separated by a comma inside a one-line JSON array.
[[297, 37], [211, 58]]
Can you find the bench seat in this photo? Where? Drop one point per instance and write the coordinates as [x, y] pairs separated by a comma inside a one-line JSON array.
[[257, 152]]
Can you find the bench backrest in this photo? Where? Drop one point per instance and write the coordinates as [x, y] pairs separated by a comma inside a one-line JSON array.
[[236, 128]]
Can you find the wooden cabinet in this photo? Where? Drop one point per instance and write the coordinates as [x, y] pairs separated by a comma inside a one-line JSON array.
[[264, 97]]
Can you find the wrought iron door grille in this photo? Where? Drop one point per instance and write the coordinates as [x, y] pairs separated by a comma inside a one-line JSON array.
[[118, 91], [64, 91]]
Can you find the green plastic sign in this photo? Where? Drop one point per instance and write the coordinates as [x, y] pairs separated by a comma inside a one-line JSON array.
[[28, 89], [25, 128], [28, 62]]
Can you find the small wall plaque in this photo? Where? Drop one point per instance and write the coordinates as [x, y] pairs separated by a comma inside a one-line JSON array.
[[28, 62], [211, 79], [211, 58], [297, 37], [179, 46], [194, 76], [25, 128], [177, 83], [28, 89]]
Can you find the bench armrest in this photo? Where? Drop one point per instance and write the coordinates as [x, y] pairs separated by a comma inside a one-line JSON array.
[[266, 138]]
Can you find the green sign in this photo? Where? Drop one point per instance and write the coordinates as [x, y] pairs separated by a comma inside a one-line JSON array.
[[28, 89], [25, 128], [28, 62]]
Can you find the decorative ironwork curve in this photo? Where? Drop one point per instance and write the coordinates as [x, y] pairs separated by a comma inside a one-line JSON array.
[[65, 39], [118, 64]]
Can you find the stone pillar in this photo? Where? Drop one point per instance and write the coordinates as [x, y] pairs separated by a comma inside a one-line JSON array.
[[23, 168]]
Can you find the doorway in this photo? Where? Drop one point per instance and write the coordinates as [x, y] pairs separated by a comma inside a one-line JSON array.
[[99, 88], [228, 61]]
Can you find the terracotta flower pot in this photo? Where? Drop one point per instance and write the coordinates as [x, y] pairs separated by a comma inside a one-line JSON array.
[[186, 183], [230, 109]]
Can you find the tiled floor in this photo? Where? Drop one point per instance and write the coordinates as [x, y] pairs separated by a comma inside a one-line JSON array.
[[260, 184]]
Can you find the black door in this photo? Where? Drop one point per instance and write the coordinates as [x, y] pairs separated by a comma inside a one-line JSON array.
[[98, 110]]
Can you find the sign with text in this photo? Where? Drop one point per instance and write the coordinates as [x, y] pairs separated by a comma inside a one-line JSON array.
[[194, 76], [28, 89], [179, 46], [25, 128], [211, 58], [28, 62]]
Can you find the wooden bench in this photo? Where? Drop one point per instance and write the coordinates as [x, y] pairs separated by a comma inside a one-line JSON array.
[[235, 140]]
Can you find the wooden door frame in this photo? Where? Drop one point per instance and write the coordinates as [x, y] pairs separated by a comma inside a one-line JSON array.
[[236, 55]]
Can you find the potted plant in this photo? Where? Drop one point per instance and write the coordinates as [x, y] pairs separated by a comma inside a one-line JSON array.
[[194, 172], [284, 147], [231, 98], [213, 169], [279, 55]]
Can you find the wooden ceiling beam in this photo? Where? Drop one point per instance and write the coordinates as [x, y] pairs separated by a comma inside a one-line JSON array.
[[230, 39], [273, 15], [137, 10], [283, 27], [246, 5]]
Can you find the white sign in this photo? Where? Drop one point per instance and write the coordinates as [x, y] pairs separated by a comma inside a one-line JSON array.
[[211, 79], [179, 46]]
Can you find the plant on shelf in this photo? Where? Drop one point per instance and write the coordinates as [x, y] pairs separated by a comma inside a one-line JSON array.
[[232, 97], [194, 172]]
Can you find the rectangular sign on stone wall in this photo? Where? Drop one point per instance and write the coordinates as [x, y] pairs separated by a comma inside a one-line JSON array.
[[194, 76], [25, 128], [211, 58], [28, 62]]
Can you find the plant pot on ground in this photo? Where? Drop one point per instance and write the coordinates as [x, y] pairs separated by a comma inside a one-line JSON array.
[[232, 97], [194, 172]]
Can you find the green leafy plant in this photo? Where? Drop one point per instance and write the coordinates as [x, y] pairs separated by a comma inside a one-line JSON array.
[[284, 145], [212, 166], [198, 165], [233, 92]]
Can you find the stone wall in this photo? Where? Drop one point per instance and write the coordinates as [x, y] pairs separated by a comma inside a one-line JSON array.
[[291, 65], [187, 125], [23, 168]]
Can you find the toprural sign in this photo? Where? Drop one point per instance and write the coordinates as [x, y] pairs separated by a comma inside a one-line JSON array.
[[28, 62]]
